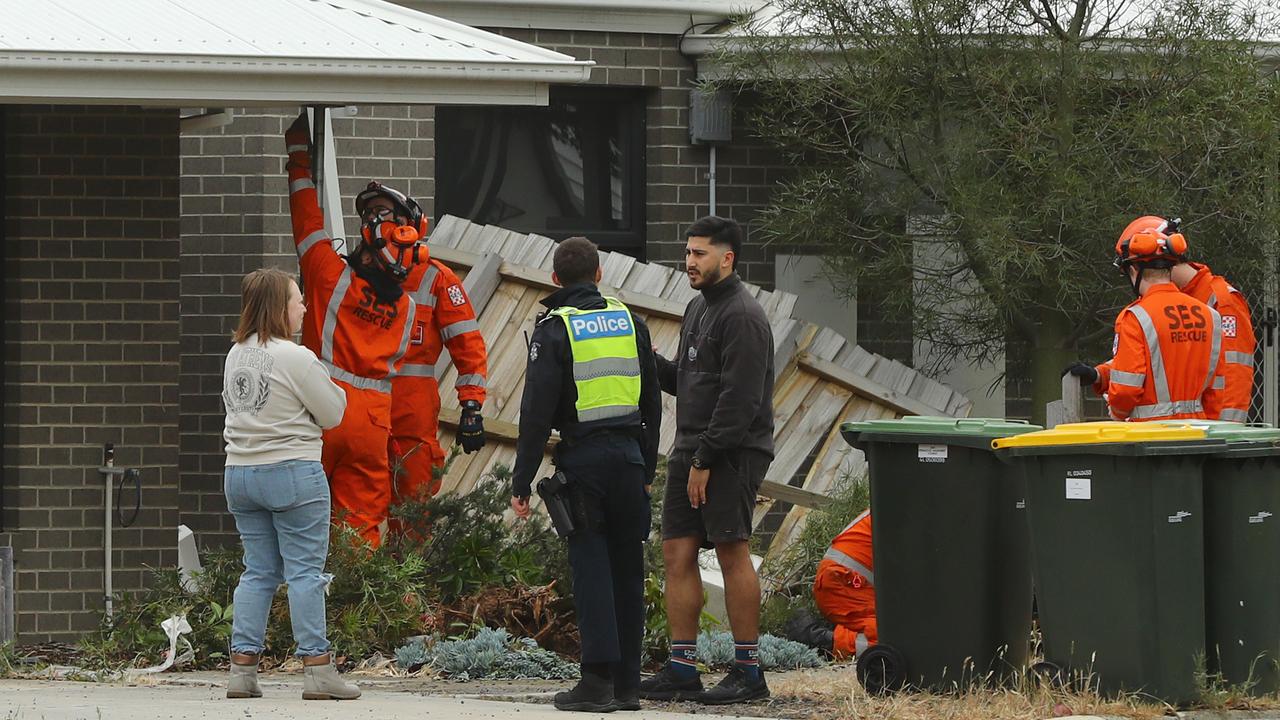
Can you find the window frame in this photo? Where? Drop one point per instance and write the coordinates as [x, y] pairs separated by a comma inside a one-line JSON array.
[[632, 104]]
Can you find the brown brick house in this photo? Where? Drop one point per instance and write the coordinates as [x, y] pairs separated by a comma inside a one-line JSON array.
[[122, 256]]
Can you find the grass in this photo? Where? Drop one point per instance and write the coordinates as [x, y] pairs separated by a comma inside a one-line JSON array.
[[834, 693]]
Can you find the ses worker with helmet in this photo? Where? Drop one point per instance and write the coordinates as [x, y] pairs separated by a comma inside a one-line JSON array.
[[443, 317], [360, 327], [1238, 340], [1168, 349], [591, 374]]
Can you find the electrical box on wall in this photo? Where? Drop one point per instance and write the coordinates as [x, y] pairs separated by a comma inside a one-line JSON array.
[[710, 116]]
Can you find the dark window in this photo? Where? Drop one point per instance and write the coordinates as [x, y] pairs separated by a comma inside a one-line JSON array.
[[575, 167]]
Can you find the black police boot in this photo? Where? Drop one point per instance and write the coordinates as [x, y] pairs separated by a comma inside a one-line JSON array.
[[736, 687], [593, 693], [626, 698], [667, 685]]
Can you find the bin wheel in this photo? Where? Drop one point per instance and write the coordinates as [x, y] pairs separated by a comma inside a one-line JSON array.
[[882, 670], [1049, 672]]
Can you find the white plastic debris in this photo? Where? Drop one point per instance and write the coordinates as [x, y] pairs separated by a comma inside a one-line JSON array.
[[175, 627], [188, 558]]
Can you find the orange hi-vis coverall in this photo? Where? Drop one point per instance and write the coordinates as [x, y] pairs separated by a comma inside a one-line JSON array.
[[362, 340], [1238, 340], [443, 317], [844, 589], [1168, 359]]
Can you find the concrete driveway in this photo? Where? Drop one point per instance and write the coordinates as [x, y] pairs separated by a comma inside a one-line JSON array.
[[66, 700]]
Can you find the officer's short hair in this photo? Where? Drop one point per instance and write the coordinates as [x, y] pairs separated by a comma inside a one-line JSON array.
[[575, 260], [721, 231]]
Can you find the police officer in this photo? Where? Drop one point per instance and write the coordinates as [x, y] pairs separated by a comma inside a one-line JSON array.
[[591, 375]]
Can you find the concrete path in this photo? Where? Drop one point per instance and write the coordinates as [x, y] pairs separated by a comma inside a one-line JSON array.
[[65, 700]]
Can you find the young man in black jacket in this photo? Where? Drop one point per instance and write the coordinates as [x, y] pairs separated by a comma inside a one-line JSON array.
[[591, 374], [722, 378]]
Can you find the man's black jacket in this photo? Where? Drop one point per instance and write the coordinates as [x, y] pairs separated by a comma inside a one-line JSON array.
[[722, 375], [550, 395]]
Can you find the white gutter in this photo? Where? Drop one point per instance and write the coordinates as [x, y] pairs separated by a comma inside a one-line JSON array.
[[664, 17], [238, 80]]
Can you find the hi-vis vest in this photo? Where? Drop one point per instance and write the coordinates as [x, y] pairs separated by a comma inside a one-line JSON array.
[[606, 364]]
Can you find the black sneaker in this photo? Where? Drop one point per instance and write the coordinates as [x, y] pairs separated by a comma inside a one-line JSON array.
[[736, 687], [668, 685], [626, 699], [592, 694]]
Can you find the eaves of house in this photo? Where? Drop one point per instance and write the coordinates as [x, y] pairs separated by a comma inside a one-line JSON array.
[[264, 52], [668, 17]]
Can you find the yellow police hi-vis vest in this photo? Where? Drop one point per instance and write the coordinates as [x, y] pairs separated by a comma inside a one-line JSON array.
[[606, 364]]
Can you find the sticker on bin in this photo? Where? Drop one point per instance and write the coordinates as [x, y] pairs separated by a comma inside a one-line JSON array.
[[1079, 488], [1257, 519], [1179, 516], [931, 453]]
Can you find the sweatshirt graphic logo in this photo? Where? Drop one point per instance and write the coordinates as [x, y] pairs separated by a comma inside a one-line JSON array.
[[248, 383], [614, 323]]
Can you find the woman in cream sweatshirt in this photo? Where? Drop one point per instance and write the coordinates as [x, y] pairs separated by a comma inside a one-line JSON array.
[[279, 398]]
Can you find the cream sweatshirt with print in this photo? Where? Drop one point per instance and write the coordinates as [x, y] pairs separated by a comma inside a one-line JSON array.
[[278, 397]]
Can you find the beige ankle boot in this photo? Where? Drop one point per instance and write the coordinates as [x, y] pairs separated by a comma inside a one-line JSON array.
[[320, 680], [243, 682]]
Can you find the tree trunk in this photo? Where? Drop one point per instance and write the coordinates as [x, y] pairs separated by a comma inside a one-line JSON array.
[[1048, 358]]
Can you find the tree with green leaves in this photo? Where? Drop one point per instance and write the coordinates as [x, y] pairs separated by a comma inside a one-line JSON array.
[[987, 153]]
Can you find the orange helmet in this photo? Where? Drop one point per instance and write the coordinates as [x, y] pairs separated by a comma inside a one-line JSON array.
[[1151, 241]]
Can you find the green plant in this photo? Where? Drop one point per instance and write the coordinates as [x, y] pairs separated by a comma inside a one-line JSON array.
[[466, 544], [716, 650], [489, 653]]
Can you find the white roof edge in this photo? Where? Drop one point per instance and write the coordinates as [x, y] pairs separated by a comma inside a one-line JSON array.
[[199, 80], [662, 17]]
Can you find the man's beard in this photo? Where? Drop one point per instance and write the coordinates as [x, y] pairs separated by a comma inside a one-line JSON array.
[[706, 279]]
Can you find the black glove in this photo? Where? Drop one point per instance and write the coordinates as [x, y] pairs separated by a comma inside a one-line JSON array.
[[471, 427], [1087, 373]]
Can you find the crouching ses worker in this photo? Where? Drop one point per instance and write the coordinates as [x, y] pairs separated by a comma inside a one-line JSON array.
[[591, 375]]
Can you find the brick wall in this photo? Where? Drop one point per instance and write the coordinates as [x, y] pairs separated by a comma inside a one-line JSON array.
[[91, 351]]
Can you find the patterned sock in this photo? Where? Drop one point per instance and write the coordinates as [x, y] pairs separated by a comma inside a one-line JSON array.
[[746, 655], [684, 658]]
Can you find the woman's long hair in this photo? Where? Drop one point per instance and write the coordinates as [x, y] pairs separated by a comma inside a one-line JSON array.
[[264, 306]]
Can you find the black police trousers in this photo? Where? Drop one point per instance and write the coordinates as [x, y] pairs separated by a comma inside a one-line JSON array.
[[607, 556]]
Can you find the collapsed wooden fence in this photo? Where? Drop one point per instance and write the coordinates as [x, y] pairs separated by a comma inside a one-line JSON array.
[[821, 379]]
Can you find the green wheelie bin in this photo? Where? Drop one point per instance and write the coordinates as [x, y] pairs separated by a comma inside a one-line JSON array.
[[1117, 536], [952, 571], [1242, 555]]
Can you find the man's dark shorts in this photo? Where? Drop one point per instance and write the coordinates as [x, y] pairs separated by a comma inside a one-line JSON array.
[[731, 498]]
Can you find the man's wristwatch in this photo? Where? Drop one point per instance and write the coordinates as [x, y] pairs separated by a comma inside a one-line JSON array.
[[698, 463]]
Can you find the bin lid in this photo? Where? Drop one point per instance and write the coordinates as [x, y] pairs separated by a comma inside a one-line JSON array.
[[1072, 437], [969, 432], [1232, 432]]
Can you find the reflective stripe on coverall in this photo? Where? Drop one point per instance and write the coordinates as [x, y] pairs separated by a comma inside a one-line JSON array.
[[443, 317], [361, 340], [1238, 340], [1167, 363], [844, 588]]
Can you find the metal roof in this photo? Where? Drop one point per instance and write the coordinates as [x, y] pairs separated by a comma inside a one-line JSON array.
[[171, 52], [670, 17]]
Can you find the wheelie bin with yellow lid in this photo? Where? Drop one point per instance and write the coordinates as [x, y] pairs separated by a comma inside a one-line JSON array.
[[1242, 555], [1117, 517], [952, 573]]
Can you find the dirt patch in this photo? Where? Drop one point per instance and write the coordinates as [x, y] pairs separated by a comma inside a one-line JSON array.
[[536, 612]]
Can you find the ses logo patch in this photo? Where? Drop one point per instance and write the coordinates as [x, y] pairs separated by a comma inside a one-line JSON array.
[[614, 323]]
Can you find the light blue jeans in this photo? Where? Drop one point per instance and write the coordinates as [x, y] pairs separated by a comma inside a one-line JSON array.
[[282, 513]]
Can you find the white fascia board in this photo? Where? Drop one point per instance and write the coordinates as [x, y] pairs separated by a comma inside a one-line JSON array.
[[662, 18], [204, 80]]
